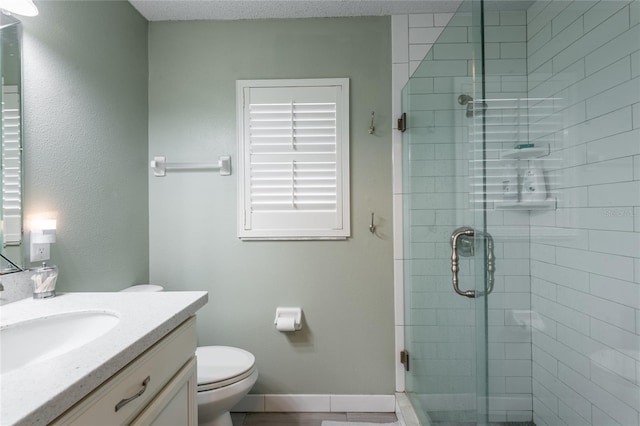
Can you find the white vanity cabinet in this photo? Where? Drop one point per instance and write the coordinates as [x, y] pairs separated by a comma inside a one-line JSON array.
[[156, 388]]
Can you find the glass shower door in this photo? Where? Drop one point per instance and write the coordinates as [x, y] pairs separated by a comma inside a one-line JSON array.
[[443, 167]]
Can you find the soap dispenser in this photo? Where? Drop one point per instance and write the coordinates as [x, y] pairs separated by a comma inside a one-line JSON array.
[[533, 185], [509, 182]]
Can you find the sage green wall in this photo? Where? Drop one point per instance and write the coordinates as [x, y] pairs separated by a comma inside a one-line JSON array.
[[344, 287], [85, 98]]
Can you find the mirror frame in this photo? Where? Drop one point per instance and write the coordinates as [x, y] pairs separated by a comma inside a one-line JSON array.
[[11, 149]]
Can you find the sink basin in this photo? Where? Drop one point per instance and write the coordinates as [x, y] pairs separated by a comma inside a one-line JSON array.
[[40, 339]]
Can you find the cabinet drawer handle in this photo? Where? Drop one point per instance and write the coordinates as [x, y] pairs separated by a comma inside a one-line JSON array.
[[125, 401]]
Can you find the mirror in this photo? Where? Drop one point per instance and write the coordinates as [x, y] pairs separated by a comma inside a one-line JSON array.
[[11, 258]]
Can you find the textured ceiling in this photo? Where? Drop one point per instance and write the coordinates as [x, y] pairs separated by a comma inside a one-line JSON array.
[[185, 10]]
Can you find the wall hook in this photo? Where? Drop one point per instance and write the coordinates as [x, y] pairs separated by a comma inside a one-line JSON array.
[[372, 128], [372, 227]]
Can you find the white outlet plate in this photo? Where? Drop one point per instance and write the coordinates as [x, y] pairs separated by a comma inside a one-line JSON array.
[[40, 252]]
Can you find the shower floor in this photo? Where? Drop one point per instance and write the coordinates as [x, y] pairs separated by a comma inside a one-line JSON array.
[[466, 418], [307, 419], [488, 424]]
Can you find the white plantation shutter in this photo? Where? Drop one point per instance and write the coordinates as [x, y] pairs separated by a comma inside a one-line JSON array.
[[11, 167], [293, 141]]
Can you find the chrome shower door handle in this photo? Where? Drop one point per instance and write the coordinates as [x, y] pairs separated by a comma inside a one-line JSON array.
[[462, 240], [491, 264], [468, 232]]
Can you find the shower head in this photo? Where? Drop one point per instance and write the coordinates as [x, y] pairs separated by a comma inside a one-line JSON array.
[[468, 101], [464, 99]]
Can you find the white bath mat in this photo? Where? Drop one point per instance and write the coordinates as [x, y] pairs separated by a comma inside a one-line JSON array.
[[334, 423]]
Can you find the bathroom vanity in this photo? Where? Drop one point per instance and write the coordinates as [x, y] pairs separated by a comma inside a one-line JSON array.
[[140, 369]]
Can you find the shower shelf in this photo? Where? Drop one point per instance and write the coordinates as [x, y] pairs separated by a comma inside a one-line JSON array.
[[526, 153], [548, 204]]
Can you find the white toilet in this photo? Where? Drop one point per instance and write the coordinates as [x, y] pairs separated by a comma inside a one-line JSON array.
[[225, 376]]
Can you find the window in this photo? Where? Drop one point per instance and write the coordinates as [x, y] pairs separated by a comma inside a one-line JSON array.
[[293, 159]]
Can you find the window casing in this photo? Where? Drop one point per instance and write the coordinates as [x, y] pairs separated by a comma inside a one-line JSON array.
[[293, 141]]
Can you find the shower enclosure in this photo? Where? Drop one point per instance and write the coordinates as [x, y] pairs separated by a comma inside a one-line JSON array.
[[521, 202]]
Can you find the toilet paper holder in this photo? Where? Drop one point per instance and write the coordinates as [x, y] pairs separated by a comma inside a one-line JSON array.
[[284, 315]]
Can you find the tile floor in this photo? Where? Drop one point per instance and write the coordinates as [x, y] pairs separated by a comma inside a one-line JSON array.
[[307, 419]]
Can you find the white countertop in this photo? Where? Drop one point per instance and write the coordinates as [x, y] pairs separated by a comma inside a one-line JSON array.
[[36, 394]]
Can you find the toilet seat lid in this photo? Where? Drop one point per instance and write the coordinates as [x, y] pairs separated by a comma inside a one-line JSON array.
[[221, 363]]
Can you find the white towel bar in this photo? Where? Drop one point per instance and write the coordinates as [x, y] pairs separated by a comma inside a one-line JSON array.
[[160, 166]]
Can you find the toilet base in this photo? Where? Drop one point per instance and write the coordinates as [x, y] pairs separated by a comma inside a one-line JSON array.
[[214, 405], [223, 419]]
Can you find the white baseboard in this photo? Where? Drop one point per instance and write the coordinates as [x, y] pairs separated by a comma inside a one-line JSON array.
[[317, 403]]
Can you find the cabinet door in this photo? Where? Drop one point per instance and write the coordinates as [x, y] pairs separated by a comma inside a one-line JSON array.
[[160, 364], [176, 404]]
